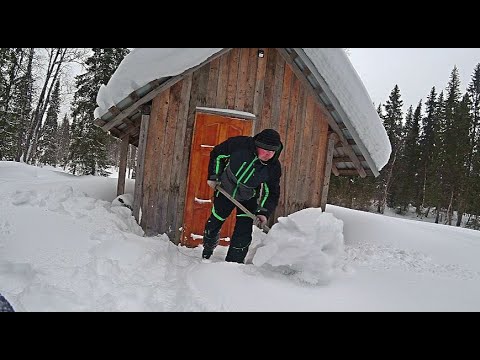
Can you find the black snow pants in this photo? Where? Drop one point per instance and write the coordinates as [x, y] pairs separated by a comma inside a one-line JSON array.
[[5, 305], [242, 233]]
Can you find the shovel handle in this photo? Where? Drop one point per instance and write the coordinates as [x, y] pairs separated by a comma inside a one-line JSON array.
[[265, 228]]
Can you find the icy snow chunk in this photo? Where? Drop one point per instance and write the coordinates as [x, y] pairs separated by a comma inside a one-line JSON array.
[[307, 244], [124, 200]]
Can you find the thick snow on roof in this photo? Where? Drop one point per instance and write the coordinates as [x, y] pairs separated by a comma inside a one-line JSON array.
[[143, 65], [345, 84]]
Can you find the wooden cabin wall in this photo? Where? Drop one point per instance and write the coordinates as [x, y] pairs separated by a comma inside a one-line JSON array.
[[238, 80], [268, 88]]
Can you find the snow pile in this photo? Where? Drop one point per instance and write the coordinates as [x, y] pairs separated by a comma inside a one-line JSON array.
[[307, 244], [67, 201], [124, 200]]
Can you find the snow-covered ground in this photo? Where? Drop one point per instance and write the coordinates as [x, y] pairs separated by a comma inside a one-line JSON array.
[[66, 244]]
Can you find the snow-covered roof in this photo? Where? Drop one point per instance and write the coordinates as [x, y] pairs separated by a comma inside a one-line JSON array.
[[345, 88], [143, 65], [330, 67]]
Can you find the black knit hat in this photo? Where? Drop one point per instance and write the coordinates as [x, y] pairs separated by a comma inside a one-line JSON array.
[[268, 139]]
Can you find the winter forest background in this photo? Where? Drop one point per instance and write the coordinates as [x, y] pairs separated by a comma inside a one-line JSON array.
[[434, 168]]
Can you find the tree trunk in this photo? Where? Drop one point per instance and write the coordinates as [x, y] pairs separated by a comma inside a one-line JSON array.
[[26, 106], [427, 212], [448, 220], [460, 214], [54, 65], [383, 201], [131, 165]]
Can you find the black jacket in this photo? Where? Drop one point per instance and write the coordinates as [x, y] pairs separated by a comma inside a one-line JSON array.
[[235, 164]]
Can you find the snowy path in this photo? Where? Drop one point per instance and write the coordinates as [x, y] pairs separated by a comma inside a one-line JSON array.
[[61, 250]]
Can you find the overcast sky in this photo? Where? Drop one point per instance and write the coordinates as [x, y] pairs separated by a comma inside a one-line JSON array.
[[414, 70]]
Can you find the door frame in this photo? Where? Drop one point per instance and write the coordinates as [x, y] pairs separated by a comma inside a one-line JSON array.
[[223, 113]]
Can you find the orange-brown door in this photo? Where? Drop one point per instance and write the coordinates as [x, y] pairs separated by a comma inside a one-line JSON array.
[[210, 130]]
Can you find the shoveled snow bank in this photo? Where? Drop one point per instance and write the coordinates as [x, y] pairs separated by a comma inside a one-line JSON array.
[[124, 200], [307, 244]]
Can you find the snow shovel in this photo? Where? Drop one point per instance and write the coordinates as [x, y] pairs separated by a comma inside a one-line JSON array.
[[265, 228]]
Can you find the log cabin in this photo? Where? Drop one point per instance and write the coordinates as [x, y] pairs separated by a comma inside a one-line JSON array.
[[176, 104]]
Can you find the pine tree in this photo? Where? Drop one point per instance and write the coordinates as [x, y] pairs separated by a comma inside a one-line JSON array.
[[25, 104], [393, 117], [474, 93], [463, 124], [407, 184], [12, 72], [435, 194], [450, 141], [392, 121], [47, 142], [88, 148], [63, 141], [427, 148], [473, 205]]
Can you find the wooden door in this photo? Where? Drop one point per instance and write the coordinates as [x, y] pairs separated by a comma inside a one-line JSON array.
[[209, 131]]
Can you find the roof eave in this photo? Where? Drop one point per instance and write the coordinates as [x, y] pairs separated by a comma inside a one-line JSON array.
[[334, 101], [109, 120]]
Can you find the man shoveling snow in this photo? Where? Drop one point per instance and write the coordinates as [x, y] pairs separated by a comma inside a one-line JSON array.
[[248, 170]]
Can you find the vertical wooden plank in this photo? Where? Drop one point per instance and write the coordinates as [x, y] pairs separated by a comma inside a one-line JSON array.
[[251, 78], [232, 77], [197, 90], [306, 167], [285, 101], [177, 160], [140, 169], [179, 175], [269, 87], [123, 165], [321, 157], [260, 88], [154, 145], [282, 129], [213, 83], [166, 161], [221, 101], [300, 119], [242, 79], [203, 73], [332, 139], [315, 174], [277, 91], [290, 144]]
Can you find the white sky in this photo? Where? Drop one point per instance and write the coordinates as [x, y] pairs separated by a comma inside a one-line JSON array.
[[65, 245], [414, 70]]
